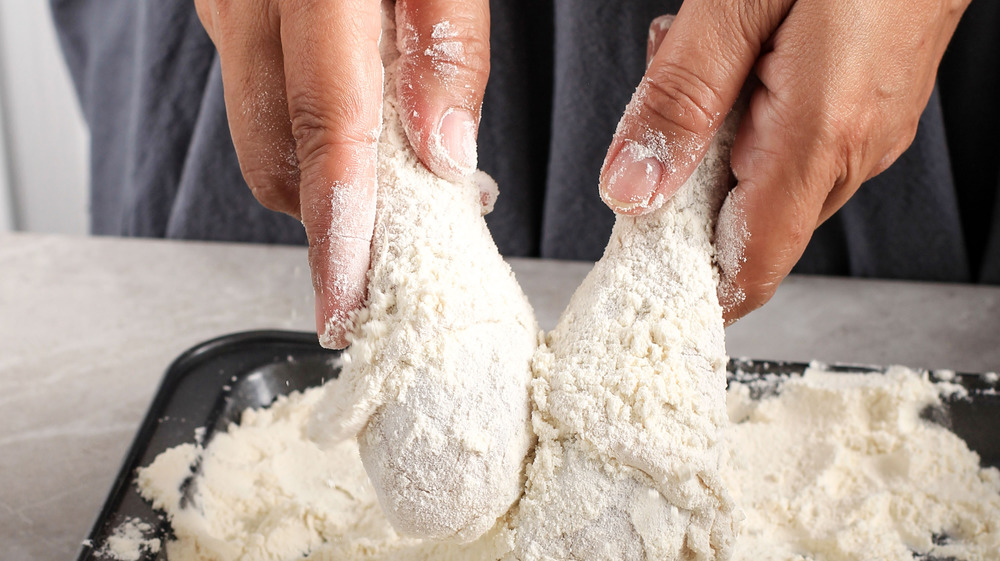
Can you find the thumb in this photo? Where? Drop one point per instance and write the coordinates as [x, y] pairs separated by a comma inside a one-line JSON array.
[[444, 47], [691, 82]]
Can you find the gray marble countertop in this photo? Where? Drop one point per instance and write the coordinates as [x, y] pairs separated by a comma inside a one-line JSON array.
[[88, 326]]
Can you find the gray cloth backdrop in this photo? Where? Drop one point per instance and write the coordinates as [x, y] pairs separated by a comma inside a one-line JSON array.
[[163, 163]]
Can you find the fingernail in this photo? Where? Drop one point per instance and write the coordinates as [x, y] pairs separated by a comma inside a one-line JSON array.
[[340, 280], [631, 181], [456, 140], [657, 32], [332, 326], [320, 315]]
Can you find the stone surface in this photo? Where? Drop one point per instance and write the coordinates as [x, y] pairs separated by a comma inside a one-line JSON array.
[[88, 326]]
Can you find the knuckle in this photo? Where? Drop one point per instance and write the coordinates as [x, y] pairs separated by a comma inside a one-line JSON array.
[[275, 191], [841, 133], [471, 70], [954, 8], [477, 55], [909, 132], [751, 17], [274, 186], [900, 146], [228, 20], [476, 42], [896, 146], [316, 127], [676, 95], [836, 124]]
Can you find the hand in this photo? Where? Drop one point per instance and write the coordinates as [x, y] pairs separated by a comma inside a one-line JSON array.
[[303, 88], [841, 89]]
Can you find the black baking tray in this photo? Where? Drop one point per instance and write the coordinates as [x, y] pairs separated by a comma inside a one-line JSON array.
[[207, 387]]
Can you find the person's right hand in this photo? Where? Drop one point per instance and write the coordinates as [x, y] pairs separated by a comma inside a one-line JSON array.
[[837, 93], [303, 89]]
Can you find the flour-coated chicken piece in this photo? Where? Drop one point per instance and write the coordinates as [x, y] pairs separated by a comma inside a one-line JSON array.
[[630, 395], [435, 380]]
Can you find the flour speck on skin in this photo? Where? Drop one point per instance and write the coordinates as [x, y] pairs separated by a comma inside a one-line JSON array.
[[435, 382], [449, 51], [645, 144], [629, 395], [731, 237], [443, 30]]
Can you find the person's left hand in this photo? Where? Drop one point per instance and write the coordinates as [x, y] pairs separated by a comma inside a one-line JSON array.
[[303, 86], [842, 87]]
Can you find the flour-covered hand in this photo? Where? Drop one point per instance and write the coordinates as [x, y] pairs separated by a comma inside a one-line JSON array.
[[841, 89], [303, 90]]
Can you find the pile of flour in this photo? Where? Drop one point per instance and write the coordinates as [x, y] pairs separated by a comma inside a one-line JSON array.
[[267, 492], [843, 467], [834, 467]]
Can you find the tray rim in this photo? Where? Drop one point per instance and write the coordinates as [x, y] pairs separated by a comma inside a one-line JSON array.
[[179, 367]]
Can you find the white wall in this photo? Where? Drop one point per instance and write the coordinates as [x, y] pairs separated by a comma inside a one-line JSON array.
[[44, 179]]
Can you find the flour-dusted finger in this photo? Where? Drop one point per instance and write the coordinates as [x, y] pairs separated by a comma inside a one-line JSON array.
[[444, 62], [247, 38], [333, 78], [691, 82]]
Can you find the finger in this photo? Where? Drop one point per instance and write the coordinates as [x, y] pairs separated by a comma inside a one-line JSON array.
[[657, 32], [333, 76], [689, 87], [252, 71], [444, 47], [205, 9], [785, 169]]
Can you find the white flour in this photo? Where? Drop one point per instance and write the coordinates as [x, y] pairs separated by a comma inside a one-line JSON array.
[[267, 492], [132, 540], [833, 468], [630, 395], [435, 384], [842, 467]]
